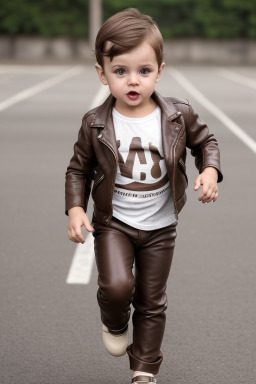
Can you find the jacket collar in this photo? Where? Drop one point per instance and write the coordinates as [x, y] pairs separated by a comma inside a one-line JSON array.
[[103, 113]]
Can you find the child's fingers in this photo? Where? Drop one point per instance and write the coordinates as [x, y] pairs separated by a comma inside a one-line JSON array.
[[204, 194], [71, 234], [210, 195], [76, 235], [197, 183], [210, 198], [88, 225], [216, 196], [79, 236], [207, 194]]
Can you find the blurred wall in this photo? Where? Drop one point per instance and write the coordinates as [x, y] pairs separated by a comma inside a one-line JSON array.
[[185, 51]]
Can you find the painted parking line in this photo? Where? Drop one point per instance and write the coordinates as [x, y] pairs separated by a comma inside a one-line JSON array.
[[100, 96], [71, 72], [82, 262], [213, 109], [236, 77], [31, 69]]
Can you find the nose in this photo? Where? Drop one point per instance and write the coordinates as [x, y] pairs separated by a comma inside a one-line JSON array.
[[133, 79]]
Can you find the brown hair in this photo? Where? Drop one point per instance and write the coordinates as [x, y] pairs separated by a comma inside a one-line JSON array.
[[126, 30]]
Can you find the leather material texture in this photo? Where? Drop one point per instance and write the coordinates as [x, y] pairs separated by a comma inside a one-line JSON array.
[[120, 249], [96, 154]]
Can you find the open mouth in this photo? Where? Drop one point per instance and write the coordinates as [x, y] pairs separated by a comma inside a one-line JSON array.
[[133, 95]]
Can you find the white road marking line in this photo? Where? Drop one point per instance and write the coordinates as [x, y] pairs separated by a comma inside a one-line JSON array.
[[31, 69], [101, 95], [212, 108], [82, 263], [71, 72], [237, 77]]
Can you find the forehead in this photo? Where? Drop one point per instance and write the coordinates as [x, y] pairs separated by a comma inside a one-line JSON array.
[[143, 53]]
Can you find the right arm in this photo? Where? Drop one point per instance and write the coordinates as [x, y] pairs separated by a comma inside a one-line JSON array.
[[79, 176]]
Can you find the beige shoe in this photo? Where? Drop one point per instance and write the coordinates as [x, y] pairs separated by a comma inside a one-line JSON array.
[[115, 344]]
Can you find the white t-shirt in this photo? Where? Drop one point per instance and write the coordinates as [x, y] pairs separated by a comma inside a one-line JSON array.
[[142, 196]]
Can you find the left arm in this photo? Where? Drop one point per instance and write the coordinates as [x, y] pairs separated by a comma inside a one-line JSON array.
[[203, 145], [204, 148]]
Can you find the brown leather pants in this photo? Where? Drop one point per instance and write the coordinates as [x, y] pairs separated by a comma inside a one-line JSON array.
[[117, 247]]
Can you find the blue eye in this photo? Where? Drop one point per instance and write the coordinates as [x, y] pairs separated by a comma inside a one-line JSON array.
[[144, 71], [120, 72]]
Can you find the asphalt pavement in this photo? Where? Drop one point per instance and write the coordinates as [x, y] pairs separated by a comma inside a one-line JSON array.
[[50, 330]]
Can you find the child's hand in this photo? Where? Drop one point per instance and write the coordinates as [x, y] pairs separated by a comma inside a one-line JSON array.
[[208, 179], [78, 218]]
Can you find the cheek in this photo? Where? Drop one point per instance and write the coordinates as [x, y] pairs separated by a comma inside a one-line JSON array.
[[115, 86], [151, 84], [114, 90]]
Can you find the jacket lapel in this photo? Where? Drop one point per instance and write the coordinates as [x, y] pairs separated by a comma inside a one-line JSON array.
[[170, 129], [103, 119]]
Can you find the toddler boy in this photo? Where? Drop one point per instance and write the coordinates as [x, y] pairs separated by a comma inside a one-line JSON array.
[[134, 148]]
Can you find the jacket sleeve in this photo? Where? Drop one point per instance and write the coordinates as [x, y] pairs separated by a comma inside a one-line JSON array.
[[202, 143], [79, 174]]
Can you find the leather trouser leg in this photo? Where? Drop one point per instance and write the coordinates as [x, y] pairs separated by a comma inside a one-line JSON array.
[[117, 247]]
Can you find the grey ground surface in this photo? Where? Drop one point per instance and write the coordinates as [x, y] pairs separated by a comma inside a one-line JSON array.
[[50, 330]]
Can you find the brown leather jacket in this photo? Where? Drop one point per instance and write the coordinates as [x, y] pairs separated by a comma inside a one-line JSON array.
[[96, 156]]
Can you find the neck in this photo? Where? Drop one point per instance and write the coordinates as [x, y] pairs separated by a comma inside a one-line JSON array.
[[136, 111]]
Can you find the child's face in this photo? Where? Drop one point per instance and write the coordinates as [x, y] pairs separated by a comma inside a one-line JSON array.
[[131, 78]]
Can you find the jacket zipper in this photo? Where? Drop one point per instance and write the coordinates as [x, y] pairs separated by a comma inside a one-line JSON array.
[[173, 189], [113, 183], [182, 163], [98, 181]]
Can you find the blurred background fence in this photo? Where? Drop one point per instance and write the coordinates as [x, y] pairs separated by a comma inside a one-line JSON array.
[[61, 28]]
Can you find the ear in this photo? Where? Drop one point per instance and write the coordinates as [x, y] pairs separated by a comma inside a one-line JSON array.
[[101, 74], [160, 70]]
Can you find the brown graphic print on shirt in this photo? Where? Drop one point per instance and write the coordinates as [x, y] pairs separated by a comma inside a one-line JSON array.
[[126, 168]]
